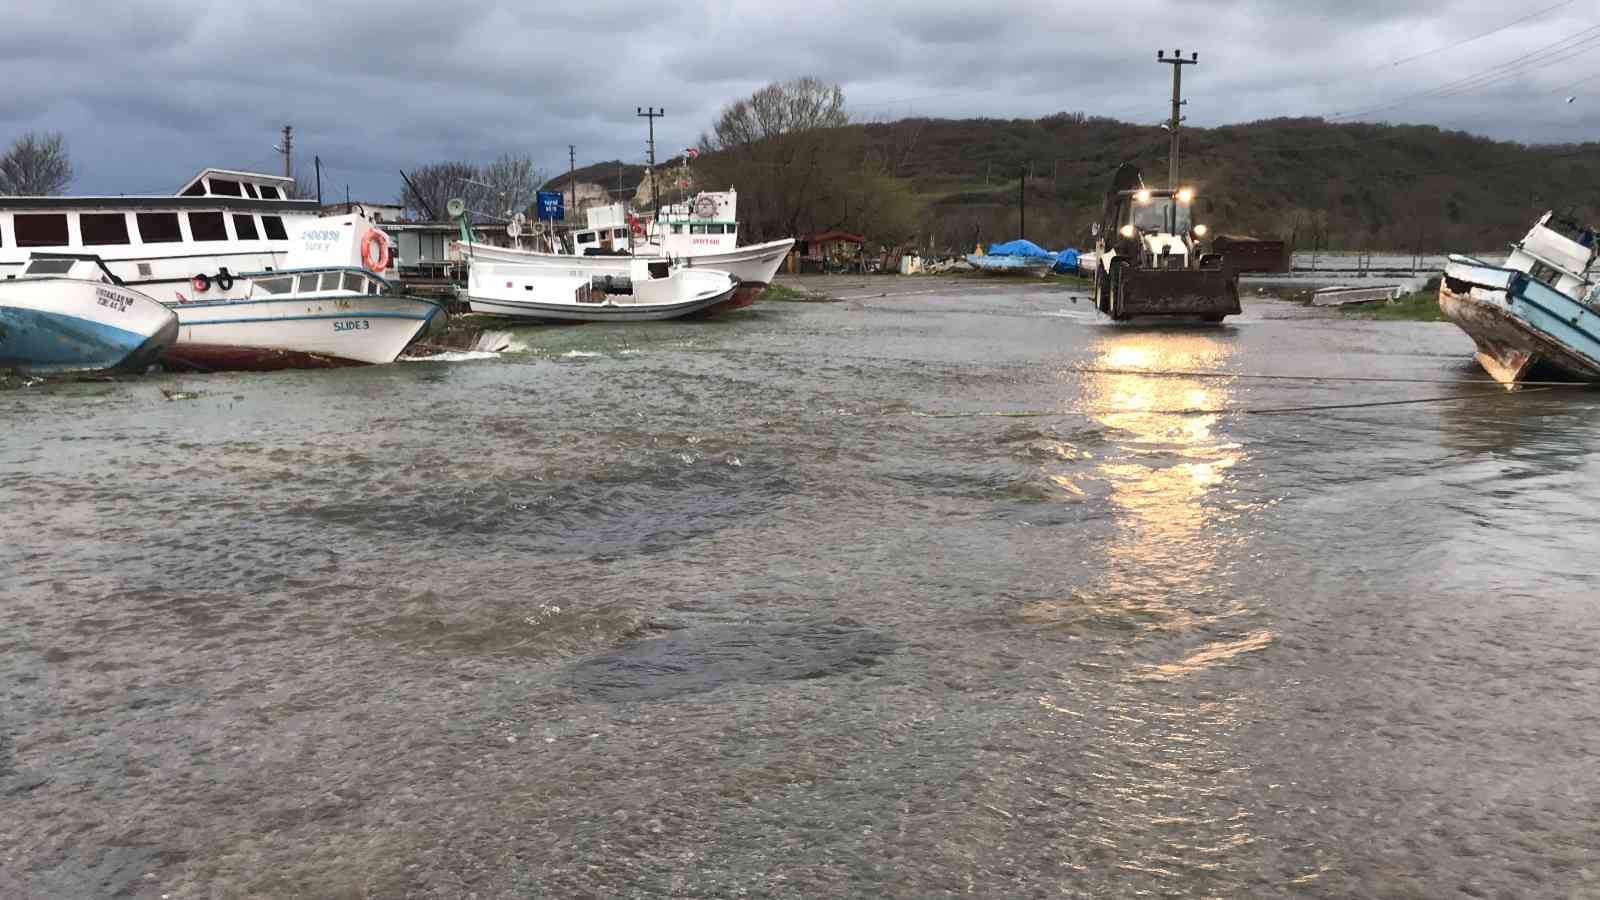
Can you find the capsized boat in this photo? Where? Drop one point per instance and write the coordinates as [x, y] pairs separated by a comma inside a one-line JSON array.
[[648, 289], [1540, 307], [327, 307], [66, 313]]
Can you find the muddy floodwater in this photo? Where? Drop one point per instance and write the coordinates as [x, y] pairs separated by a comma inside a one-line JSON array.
[[957, 591]]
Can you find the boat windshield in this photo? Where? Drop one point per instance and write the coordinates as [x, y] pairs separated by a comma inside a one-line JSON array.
[[49, 266], [1152, 214]]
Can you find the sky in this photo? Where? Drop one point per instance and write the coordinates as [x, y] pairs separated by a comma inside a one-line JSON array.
[[147, 94]]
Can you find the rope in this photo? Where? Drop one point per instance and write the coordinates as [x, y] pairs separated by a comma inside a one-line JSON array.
[[1221, 411]]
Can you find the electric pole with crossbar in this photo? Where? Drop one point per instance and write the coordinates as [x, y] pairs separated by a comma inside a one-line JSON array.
[[1177, 62]]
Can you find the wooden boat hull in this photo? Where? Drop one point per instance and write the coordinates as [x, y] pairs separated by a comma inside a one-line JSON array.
[[64, 325], [1518, 323]]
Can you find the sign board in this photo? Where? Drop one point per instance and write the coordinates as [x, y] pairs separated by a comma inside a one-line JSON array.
[[552, 205]]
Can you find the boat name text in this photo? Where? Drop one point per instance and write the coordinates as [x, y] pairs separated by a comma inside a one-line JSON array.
[[112, 300], [352, 325]]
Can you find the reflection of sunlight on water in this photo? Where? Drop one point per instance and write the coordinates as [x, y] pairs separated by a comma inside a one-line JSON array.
[[1209, 656]]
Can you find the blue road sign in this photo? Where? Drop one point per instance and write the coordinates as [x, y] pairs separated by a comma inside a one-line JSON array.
[[552, 205]]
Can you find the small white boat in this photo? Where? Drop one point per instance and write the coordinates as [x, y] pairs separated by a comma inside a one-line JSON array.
[[325, 308], [66, 313], [576, 291], [1340, 295]]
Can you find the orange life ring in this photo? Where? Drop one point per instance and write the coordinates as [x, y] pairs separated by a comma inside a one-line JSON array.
[[200, 283], [374, 250], [637, 226]]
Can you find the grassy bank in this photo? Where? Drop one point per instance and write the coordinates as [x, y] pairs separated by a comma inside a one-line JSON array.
[[1418, 306]]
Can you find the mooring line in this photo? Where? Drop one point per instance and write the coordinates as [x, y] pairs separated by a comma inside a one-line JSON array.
[[1220, 411]]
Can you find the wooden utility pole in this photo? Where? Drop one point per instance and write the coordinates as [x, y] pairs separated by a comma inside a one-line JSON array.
[[1022, 205], [653, 114], [572, 175], [1177, 62], [287, 149]]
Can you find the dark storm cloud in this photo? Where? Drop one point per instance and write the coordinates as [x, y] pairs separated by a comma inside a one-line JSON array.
[[147, 93]]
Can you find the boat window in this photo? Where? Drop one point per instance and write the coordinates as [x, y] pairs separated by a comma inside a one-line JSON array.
[[677, 229], [49, 266], [717, 229], [244, 227], [41, 230], [159, 228], [273, 226], [308, 283], [270, 192], [103, 228], [354, 283], [207, 226], [280, 285], [250, 191], [585, 237], [330, 281], [619, 233], [198, 189], [225, 188], [697, 229], [1543, 273], [374, 287]]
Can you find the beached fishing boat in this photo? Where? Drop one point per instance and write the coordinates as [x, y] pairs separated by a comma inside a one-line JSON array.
[[700, 234], [327, 307], [649, 289], [1540, 308], [219, 221], [69, 314]]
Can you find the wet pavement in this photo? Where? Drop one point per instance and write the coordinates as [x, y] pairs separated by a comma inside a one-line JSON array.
[[946, 587]]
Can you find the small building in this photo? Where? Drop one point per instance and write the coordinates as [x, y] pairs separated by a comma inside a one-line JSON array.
[[827, 251]]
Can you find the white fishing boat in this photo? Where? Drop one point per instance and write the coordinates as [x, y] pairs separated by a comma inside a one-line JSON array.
[[69, 314], [703, 233], [327, 307], [1540, 308], [220, 221], [648, 289]]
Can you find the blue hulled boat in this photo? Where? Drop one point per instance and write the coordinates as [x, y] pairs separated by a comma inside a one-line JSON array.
[[1540, 308], [68, 314]]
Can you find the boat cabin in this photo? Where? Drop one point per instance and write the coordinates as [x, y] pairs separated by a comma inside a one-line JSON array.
[[322, 282], [708, 223], [79, 267], [1557, 252], [216, 211]]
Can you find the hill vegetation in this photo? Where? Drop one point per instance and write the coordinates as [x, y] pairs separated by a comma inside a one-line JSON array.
[[947, 184]]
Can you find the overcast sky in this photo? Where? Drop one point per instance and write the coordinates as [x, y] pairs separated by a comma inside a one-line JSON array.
[[148, 93]]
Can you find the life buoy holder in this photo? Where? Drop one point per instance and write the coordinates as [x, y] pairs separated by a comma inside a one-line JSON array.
[[374, 250], [201, 283], [224, 279]]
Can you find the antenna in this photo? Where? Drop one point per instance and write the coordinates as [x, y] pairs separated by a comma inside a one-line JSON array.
[[653, 114]]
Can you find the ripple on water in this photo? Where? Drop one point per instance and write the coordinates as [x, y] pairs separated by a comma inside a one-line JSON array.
[[704, 659]]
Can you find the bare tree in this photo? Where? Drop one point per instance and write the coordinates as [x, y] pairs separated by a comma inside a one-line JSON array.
[[36, 166], [513, 185], [435, 184]]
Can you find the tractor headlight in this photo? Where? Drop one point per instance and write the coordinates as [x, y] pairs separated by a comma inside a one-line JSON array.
[[1126, 231], [1185, 195], [1200, 230], [1142, 196]]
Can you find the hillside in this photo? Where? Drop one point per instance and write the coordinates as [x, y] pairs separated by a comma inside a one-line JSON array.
[[1345, 186]]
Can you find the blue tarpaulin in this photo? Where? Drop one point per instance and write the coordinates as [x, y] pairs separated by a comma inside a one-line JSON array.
[[1066, 262], [1020, 248]]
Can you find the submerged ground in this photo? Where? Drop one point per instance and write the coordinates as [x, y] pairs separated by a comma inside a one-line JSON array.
[[955, 591]]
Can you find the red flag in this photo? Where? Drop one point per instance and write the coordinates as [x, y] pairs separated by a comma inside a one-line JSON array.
[[691, 152]]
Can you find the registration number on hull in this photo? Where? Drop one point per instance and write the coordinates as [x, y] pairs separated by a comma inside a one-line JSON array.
[[352, 325]]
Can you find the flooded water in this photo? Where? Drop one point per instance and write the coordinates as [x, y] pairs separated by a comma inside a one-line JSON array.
[[940, 593]]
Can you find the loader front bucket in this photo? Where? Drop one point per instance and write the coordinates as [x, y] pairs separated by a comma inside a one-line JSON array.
[[1206, 293]]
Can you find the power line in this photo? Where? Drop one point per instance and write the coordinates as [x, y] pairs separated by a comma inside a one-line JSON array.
[[1469, 40], [1552, 52]]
